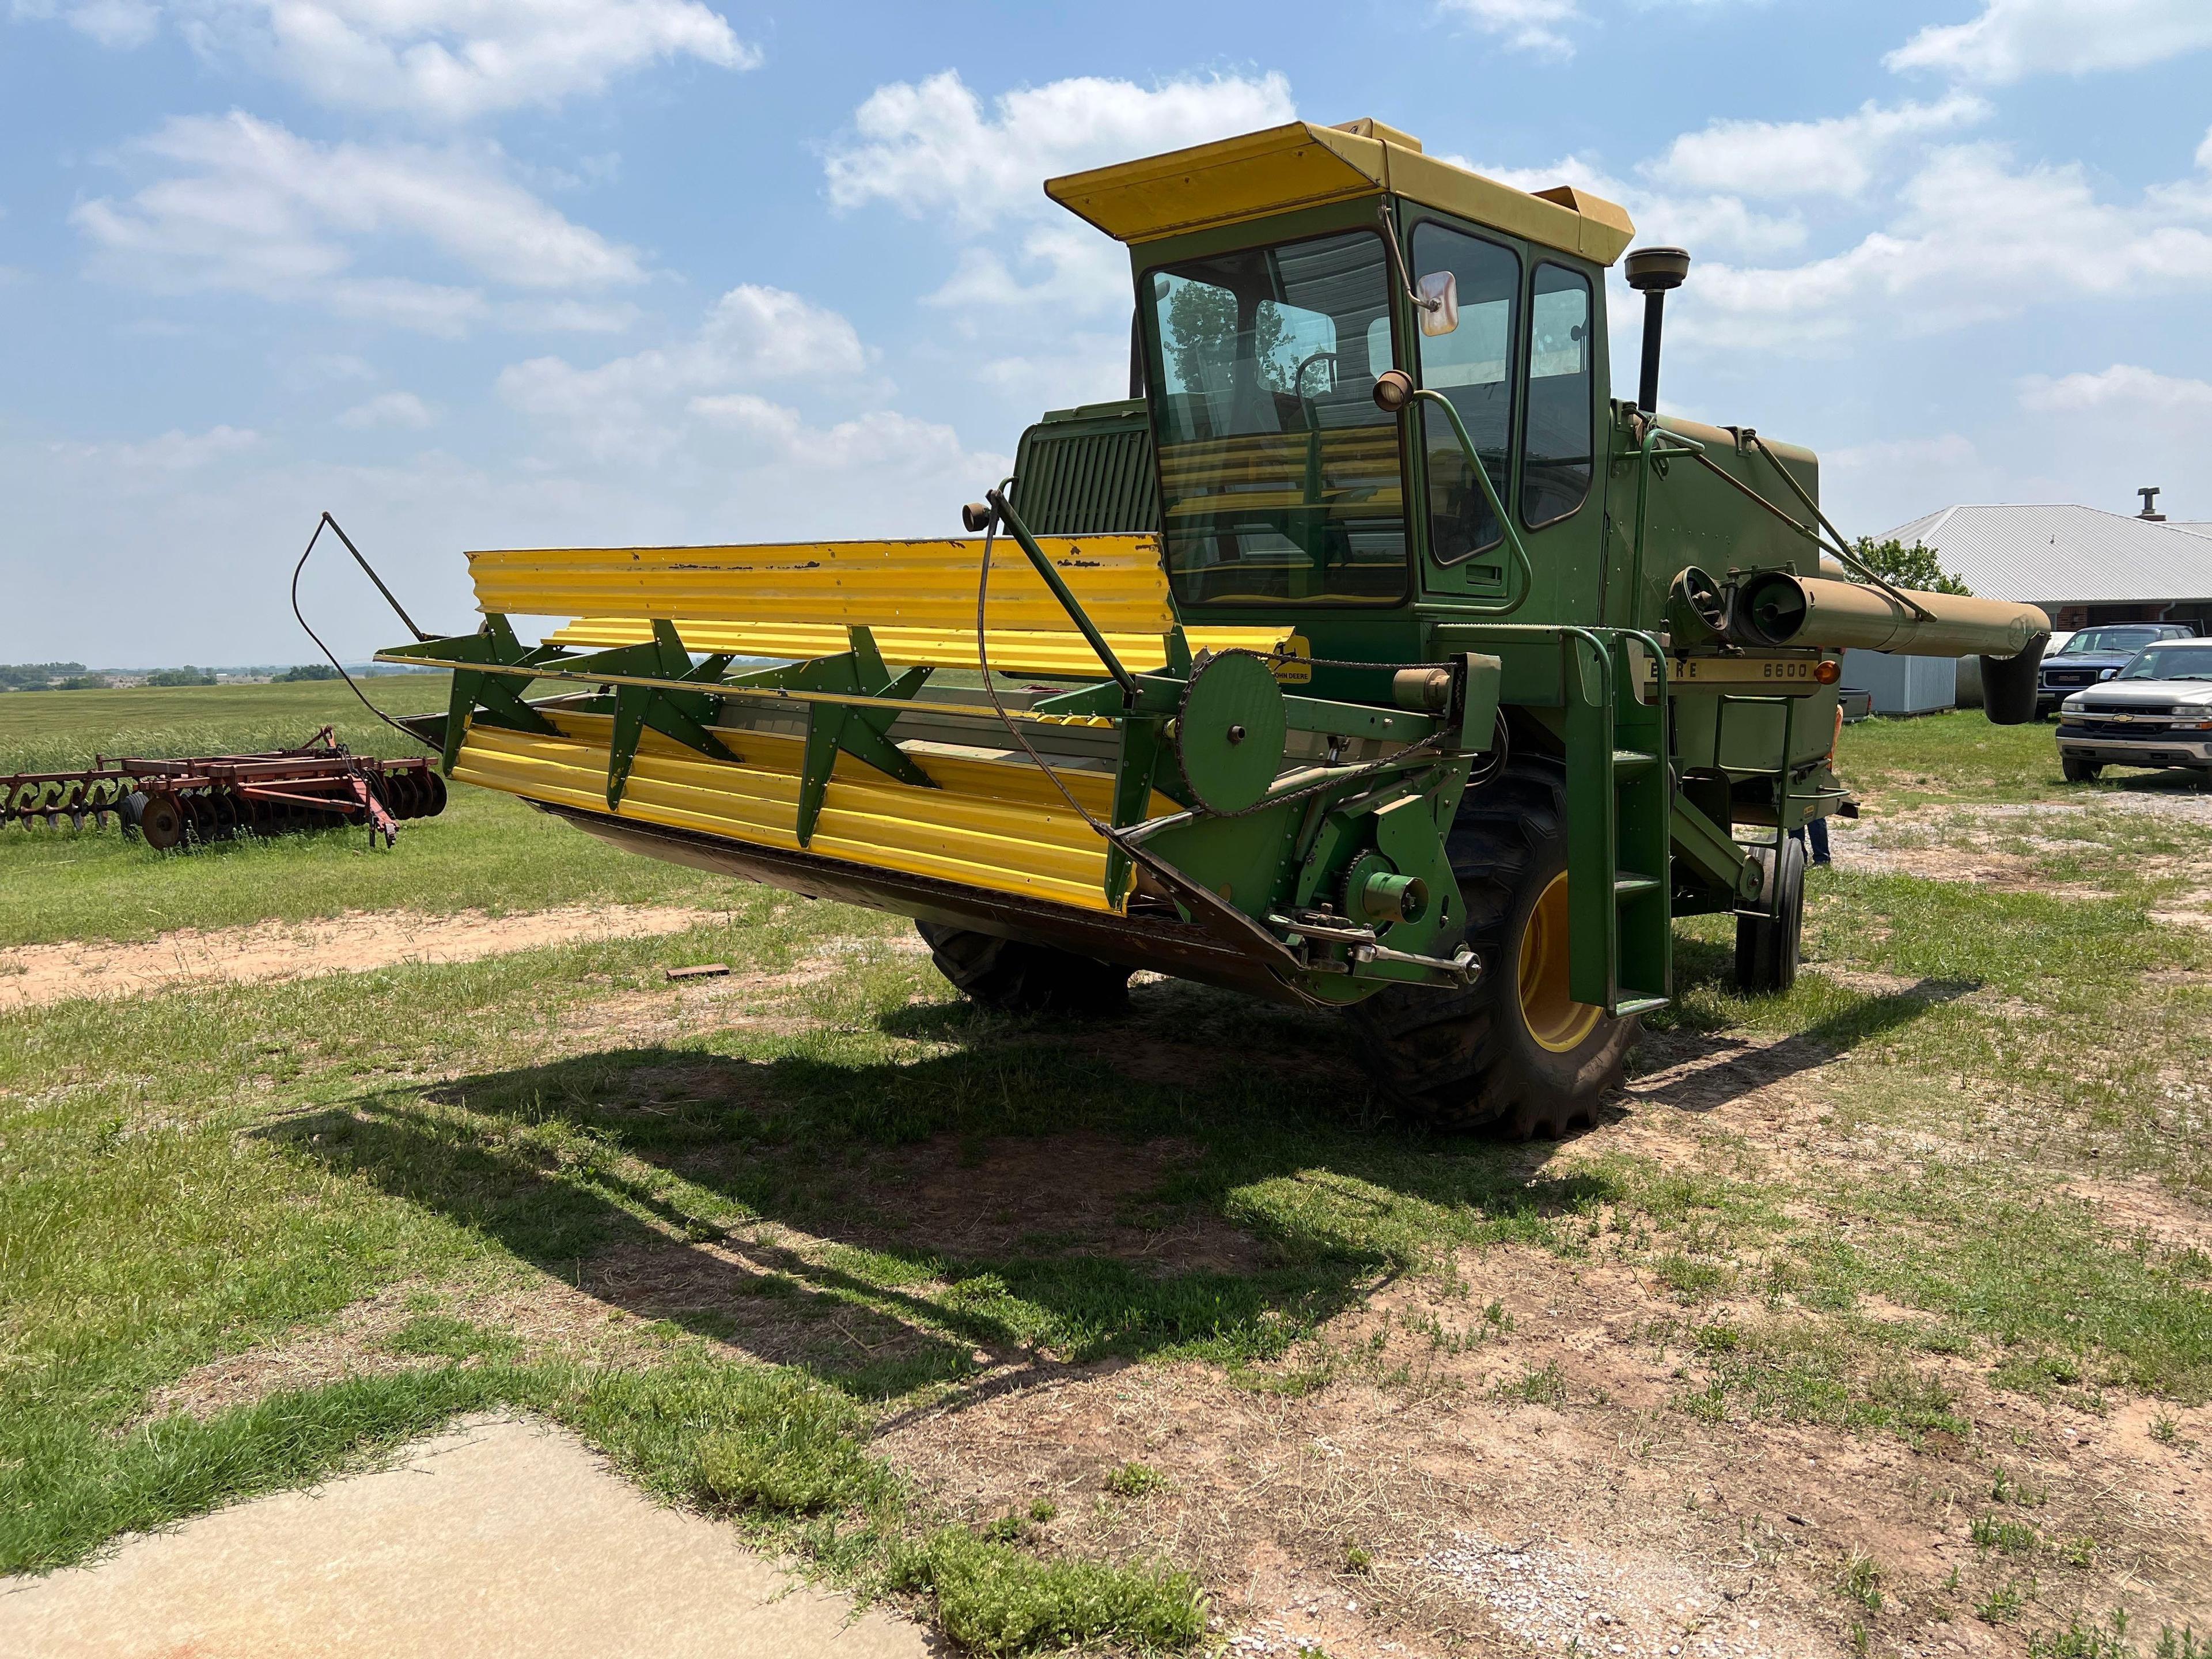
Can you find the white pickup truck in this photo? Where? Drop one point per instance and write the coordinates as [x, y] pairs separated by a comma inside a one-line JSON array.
[[2155, 711]]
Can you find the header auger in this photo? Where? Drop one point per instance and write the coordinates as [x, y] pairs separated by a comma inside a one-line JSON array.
[[1369, 656]]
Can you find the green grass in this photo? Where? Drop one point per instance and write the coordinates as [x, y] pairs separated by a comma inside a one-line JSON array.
[[1860, 1580], [1960, 755], [1134, 1481], [193, 1174]]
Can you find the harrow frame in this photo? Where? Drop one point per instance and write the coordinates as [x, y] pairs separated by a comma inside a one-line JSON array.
[[170, 802]]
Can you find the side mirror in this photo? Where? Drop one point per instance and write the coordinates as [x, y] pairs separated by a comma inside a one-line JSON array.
[[1393, 389], [1439, 314]]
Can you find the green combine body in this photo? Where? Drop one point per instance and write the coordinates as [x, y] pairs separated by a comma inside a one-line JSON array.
[[1373, 656]]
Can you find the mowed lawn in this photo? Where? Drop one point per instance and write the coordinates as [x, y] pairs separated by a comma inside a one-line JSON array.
[[408, 1171]]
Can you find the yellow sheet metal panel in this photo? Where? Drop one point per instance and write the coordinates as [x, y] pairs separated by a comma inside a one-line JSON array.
[[992, 824], [1607, 227], [1591, 227], [1260, 173], [1010, 651], [1302, 164], [919, 584]]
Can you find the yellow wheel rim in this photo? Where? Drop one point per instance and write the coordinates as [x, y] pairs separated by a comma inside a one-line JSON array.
[[1555, 1020]]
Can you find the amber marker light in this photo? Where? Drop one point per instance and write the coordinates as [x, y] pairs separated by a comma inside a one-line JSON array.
[[1828, 673]]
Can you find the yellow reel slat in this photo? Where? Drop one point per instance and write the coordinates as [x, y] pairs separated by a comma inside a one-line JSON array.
[[1012, 652], [1118, 578], [999, 826]]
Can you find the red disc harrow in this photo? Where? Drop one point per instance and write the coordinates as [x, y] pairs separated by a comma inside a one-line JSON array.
[[318, 786]]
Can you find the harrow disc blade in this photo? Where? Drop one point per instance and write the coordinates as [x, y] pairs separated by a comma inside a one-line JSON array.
[[161, 821]]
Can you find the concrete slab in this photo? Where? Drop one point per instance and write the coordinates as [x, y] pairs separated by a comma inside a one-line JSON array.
[[498, 1538]]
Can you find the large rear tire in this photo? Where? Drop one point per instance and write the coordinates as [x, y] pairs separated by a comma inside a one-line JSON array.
[[1767, 945], [1515, 1056], [1017, 978]]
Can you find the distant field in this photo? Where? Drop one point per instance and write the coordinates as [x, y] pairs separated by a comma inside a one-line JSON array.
[[52, 731], [486, 851]]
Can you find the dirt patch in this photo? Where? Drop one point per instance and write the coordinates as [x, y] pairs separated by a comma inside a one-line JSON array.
[[1460, 1483], [2143, 1208], [2006, 847], [352, 943], [2191, 909]]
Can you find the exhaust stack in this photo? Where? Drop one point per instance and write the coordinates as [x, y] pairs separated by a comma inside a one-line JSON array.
[[1651, 272]]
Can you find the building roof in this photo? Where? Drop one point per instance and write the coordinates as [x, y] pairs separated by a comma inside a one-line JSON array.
[[1302, 164], [2066, 555]]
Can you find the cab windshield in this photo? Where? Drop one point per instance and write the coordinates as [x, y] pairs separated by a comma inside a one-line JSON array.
[[2111, 641], [2172, 662], [1280, 478]]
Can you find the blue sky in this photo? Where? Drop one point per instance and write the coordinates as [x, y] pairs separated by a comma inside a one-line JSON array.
[[480, 273]]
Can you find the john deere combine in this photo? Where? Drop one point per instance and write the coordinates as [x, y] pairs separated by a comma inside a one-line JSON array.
[[1370, 656]]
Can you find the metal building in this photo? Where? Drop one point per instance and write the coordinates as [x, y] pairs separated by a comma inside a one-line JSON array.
[[2080, 564]]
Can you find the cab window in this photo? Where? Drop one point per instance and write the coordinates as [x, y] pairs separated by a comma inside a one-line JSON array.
[[1473, 367], [1280, 478], [1556, 458]]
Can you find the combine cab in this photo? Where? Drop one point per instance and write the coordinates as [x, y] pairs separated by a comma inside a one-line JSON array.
[[1370, 656]]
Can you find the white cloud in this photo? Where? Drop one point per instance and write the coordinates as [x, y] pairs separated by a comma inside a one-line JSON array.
[[1706, 225], [121, 24], [882, 441], [247, 206], [1838, 156], [567, 316], [2204, 151], [932, 148], [1082, 272], [2123, 386], [444, 60], [1537, 26], [753, 338], [929, 148], [2013, 39], [1974, 238], [171, 452], [1873, 487], [400, 409], [326, 367]]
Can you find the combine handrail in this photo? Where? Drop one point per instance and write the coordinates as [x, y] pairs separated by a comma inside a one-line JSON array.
[[1497, 608]]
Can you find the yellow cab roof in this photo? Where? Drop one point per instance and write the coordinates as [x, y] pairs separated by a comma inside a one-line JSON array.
[[1259, 174]]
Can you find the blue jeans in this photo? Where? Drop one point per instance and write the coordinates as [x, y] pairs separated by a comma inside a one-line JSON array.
[[1814, 830]]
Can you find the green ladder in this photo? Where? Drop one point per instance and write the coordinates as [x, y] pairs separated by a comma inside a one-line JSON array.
[[1619, 816]]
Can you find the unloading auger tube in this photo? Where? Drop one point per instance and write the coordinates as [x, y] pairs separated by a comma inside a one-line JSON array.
[[1345, 664], [1776, 610]]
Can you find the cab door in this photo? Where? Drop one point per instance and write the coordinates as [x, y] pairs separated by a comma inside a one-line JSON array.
[[1475, 366], [1558, 505]]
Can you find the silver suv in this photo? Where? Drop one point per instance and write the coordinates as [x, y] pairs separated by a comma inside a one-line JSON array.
[[2156, 711]]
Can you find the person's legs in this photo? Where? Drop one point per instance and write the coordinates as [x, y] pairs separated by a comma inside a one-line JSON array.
[[1816, 830]]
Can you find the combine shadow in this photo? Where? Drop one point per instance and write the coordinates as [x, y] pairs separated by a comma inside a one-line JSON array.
[[1696, 1071], [1078, 1214]]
